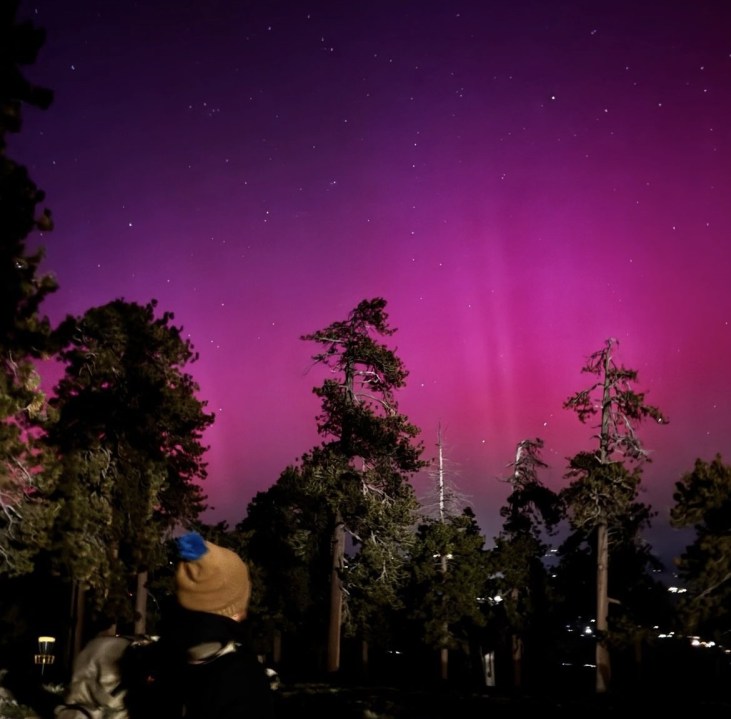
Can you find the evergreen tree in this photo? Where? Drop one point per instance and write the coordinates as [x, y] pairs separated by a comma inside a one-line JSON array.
[[130, 440], [640, 602], [25, 469], [370, 451], [287, 539], [448, 580], [520, 577], [601, 498], [703, 502], [444, 516]]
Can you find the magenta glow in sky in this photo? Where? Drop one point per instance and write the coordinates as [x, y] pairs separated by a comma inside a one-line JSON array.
[[520, 181]]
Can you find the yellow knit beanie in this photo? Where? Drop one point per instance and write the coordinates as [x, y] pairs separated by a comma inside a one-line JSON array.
[[210, 578]]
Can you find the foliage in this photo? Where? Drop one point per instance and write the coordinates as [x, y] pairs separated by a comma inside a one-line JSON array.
[[518, 573], [286, 539], [531, 508], [360, 416], [370, 450], [603, 482], [25, 335], [448, 580], [130, 440], [703, 501], [375, 574], [354, 485], [532, 512]]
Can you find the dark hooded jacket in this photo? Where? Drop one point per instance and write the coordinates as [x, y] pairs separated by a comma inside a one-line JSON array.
[[212, 669]]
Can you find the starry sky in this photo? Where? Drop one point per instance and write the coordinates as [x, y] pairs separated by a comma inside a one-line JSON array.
[[520, 180]]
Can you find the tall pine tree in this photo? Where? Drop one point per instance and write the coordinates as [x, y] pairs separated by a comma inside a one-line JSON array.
[[531, 514], [370, 450], [130, 437], [25, 469], [601, 498]]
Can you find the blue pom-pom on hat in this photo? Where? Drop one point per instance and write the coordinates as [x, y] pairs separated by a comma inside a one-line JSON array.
[[191, 546]]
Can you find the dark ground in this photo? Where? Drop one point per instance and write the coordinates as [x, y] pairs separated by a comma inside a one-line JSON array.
[[330, 702], [333, 701], [694, 685]]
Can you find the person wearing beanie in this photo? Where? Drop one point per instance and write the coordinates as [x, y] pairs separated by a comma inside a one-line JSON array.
[[202, 665], [214, 666]]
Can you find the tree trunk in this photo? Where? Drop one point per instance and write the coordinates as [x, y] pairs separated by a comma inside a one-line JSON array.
[[336, 597], [364, 658], [517, 646], [603, 667], [78, 596], [638, 660], [111, 630], [444, 653], [141, 604]]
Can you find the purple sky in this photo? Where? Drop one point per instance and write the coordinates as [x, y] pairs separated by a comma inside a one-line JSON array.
[[519, 180]]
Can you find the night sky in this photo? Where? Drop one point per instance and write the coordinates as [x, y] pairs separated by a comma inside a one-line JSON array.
[[520, 180]]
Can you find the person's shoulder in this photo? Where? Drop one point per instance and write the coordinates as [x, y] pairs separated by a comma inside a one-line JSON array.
[[243, 665], [100, 657], [104, 646]]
